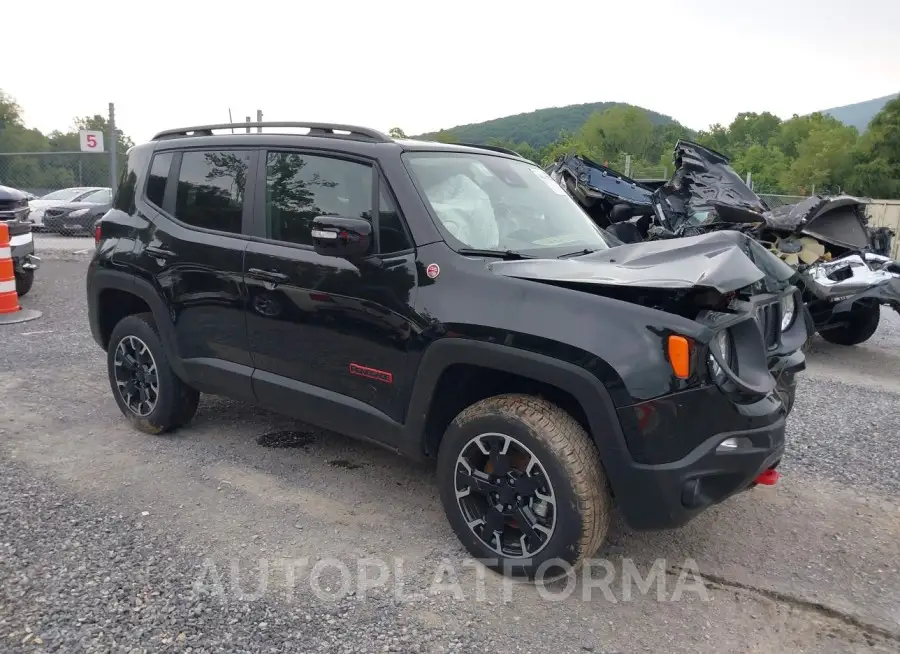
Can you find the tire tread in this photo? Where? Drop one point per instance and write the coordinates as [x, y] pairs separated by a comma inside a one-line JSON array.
[[568, 440]]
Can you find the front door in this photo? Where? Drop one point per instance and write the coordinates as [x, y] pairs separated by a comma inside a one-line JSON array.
[[328, 337]]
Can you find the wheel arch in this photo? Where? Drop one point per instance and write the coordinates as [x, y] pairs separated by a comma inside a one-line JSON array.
[[573, 388], [113, 295]]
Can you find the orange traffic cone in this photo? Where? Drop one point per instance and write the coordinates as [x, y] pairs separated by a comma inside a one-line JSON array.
[[10, 311]]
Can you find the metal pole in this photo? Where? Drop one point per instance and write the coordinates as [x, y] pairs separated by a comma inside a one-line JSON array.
[[627, 165], [113, 176], [80, 183], [248, 124], [259, 120]]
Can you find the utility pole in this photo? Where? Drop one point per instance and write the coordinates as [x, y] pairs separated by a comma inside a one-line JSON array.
[[248, 124], [259, 120], [112, 141]]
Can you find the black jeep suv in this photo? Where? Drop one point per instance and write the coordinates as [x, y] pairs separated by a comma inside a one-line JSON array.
[[448, 302]]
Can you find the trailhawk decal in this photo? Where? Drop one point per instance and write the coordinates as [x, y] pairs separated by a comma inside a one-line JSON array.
[[371, 373]]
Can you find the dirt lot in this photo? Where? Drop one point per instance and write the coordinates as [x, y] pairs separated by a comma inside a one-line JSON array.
[[113, 541]]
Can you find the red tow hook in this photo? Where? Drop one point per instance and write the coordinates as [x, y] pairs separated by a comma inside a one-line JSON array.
[[768, 477]]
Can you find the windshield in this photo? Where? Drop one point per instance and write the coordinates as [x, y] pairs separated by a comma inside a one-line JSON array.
[[102, 196], [490, 202], [64, 194]]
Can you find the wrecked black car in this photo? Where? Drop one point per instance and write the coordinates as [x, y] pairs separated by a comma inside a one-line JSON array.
[[844, 277]]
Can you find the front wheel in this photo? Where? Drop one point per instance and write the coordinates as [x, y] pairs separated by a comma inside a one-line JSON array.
[[862, 322], [522, 486], [24, 282]]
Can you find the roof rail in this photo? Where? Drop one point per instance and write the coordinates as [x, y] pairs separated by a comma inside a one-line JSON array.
[[493, 148], [315, 129]]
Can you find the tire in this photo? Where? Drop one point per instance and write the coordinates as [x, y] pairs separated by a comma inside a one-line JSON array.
[[579, 515], [861, 324], [24, 282], [175, 402]]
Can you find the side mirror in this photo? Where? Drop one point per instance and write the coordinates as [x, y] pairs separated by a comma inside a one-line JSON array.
[[336, 236]]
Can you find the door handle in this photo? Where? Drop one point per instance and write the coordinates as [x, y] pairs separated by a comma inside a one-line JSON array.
[[268, 275], [162, 253]]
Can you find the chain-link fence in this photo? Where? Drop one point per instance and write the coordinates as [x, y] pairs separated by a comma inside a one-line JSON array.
[[775, 201], [40, 173], [90, 155]]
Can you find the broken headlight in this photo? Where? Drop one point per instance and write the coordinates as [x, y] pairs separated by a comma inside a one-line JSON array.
[[788, 311], [723, 343]]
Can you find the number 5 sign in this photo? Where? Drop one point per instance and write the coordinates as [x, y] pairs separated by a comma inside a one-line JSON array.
[[91, 140]]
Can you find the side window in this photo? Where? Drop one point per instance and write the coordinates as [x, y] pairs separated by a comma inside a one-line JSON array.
[[211, 189], [300, 187], [390, 227], [156, 180]]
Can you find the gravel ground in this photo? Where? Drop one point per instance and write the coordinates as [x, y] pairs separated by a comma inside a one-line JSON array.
[[106, 534]]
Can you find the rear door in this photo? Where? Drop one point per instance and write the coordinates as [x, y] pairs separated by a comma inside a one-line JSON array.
[[328, 337], [193, 251]]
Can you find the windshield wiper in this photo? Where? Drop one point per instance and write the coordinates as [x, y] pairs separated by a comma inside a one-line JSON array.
[[577, 254], [501, 254]]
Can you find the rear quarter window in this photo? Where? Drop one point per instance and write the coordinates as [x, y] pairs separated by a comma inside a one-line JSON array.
[[157, 177]]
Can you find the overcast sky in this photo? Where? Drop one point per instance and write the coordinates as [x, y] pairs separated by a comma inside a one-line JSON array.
[[430, 64]]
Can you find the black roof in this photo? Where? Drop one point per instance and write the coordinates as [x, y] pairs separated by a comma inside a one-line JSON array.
[[353, 138]]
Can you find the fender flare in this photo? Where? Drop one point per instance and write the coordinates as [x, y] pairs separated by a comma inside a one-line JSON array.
[[588, 390], [105, 279]]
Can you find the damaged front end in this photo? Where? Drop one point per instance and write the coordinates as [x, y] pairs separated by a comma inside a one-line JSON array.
[[825, 239], [726, 281]]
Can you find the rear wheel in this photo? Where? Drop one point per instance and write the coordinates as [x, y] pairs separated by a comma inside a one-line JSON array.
[[146, 389], [522, 486], [862, 322]]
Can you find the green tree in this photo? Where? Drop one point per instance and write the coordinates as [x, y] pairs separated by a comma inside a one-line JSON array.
[[876, 170], [824, 158], [749, 129], [621, 129], [766, 164], [397, 133]]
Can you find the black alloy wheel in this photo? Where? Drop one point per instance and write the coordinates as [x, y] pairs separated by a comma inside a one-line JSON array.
[[146, 389], [523, 487], [137, 379], [505, 495]]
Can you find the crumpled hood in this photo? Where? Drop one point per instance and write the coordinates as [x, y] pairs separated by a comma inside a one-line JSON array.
[[724, 260]]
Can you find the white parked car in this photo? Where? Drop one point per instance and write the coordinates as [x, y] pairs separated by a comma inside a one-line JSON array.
[[64, 196]]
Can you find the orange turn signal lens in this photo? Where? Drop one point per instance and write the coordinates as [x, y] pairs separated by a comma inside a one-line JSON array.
[[680, 356]]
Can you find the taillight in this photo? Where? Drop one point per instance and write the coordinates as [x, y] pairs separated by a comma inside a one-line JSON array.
[[96, 233]]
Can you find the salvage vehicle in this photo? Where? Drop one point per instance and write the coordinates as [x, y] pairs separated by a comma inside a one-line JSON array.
[[449, 303], [826, 239], [14, 212]]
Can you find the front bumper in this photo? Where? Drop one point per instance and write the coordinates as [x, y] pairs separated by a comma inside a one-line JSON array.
[[68, 224], [21, 246], [672, 467], [710, 475]]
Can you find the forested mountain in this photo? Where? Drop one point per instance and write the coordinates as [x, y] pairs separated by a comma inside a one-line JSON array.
[[538, 128], [860, 114]]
